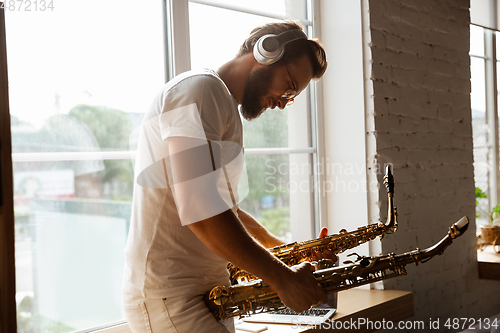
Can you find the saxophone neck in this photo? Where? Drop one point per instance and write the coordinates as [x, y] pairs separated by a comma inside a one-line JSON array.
[[391, 223], [457, 229]]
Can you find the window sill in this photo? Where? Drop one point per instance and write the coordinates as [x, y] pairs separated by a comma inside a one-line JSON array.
[[354, 304], [488, 263]]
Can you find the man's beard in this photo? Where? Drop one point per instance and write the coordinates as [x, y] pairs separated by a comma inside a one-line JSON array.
[[258, 85]]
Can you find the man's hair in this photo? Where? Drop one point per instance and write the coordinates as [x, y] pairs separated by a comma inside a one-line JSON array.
[[294, 50]]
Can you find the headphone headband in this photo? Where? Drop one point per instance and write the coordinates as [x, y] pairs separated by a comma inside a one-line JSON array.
[[270, 48]]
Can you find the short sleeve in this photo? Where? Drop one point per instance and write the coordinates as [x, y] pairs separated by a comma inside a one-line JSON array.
[[197, 107]]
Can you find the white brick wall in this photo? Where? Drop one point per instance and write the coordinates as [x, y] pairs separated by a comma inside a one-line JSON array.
[[422, 125]]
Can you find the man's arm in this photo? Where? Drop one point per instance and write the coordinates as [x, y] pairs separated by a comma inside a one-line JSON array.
[[268, 240], [258, 231], [226, 236]]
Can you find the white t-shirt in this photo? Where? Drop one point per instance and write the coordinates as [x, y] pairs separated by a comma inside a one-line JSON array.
[[163, 258]]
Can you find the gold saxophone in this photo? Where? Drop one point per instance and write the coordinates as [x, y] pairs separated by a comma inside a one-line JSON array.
[[257, 296], [295, 253]]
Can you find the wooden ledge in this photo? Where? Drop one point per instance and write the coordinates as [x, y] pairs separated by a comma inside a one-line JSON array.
[[362, 304], [488, 263]]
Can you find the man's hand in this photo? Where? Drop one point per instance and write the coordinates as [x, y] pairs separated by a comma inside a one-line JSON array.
[[300, 290], [324, 254]]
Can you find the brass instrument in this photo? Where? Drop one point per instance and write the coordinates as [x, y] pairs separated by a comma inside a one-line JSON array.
[[295, 253], [256, 296]]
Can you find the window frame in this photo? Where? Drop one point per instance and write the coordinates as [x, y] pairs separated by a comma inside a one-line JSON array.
[[8, 309]]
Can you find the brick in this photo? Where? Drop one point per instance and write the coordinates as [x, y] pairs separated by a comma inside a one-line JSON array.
[[400, 76], [406, 30], [393, 42], [462, 128], [460, 86], [414, 95], [440, 97], [393, 10], [441, 126], [377, 38], [412, 62], [445, 112], [443, 67], [376, 9], [389, 90], [414, 17], [437, 81], [381, 72], [460, 99], [416, 77]]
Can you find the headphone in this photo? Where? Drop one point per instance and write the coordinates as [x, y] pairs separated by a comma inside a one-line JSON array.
[[270, 48]]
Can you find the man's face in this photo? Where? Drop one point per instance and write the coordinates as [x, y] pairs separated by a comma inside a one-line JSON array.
[[274, 86]]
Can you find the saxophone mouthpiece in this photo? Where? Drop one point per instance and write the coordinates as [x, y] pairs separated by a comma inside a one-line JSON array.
[[459, 227], [389, 179]]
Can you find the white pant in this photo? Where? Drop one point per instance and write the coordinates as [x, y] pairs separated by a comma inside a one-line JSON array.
[[183, 314]]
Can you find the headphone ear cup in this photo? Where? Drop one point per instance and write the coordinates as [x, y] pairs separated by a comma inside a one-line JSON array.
[[267, 50], [270, 48]]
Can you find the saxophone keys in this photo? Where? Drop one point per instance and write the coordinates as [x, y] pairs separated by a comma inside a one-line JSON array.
[[219, 295], [324, 264]]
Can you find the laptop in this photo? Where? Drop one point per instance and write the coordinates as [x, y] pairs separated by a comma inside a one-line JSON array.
[[316, 315]]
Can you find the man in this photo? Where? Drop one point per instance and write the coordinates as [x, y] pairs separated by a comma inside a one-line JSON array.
[[185, 223]]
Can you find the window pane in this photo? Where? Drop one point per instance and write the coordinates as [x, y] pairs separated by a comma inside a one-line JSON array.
[[210, 47], [497, 40], [479, 126], [61, 61], [476, 40], [280, 193], [80, 78], [268, 199], [478, 90]]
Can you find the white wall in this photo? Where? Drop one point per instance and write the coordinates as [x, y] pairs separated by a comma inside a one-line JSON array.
[[344, 161]]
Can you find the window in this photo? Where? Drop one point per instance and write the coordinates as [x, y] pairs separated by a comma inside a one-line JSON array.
[[80, 79], [81, 76], [484, 117]]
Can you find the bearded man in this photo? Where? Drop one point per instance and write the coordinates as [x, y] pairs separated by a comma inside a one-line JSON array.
[[186, 224]]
